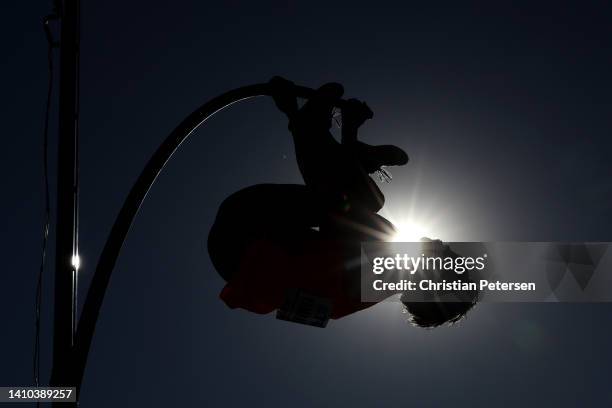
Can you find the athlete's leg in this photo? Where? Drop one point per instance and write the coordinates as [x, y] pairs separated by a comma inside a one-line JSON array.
[[282, 214]]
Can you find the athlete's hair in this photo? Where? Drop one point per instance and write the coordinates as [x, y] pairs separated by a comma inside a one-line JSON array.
[[434, 314], [439, 310]]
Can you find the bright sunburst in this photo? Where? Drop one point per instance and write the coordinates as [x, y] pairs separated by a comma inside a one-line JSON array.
[[411, 231]]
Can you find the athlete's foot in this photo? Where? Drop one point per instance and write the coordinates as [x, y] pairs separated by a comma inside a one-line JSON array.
[[373, 158]]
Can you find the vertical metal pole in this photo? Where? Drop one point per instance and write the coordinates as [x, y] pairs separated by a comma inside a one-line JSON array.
[[66, 227]]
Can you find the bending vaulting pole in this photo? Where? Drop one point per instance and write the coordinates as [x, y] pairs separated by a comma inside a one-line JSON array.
[[110, 253]]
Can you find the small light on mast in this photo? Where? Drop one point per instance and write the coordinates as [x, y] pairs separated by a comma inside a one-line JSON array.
[[76, 262]]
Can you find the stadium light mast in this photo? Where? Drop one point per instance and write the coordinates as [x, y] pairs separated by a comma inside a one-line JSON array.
[[66, 235]]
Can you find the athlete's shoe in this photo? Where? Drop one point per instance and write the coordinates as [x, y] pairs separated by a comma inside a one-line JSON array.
[[374, 158]]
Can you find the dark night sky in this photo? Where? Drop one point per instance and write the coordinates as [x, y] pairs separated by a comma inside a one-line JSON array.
[[504, 110]]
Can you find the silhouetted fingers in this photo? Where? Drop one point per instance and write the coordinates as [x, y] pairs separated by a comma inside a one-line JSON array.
[[283, 93], [330, 91], [278, 83]]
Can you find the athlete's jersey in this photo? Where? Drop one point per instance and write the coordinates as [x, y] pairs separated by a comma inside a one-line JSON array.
[[268, 273]]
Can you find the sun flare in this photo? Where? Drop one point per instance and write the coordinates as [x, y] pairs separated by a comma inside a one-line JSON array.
[[411, 231]]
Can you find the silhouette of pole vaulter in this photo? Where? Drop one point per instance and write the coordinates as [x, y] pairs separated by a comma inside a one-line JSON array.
[[295, 249]]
